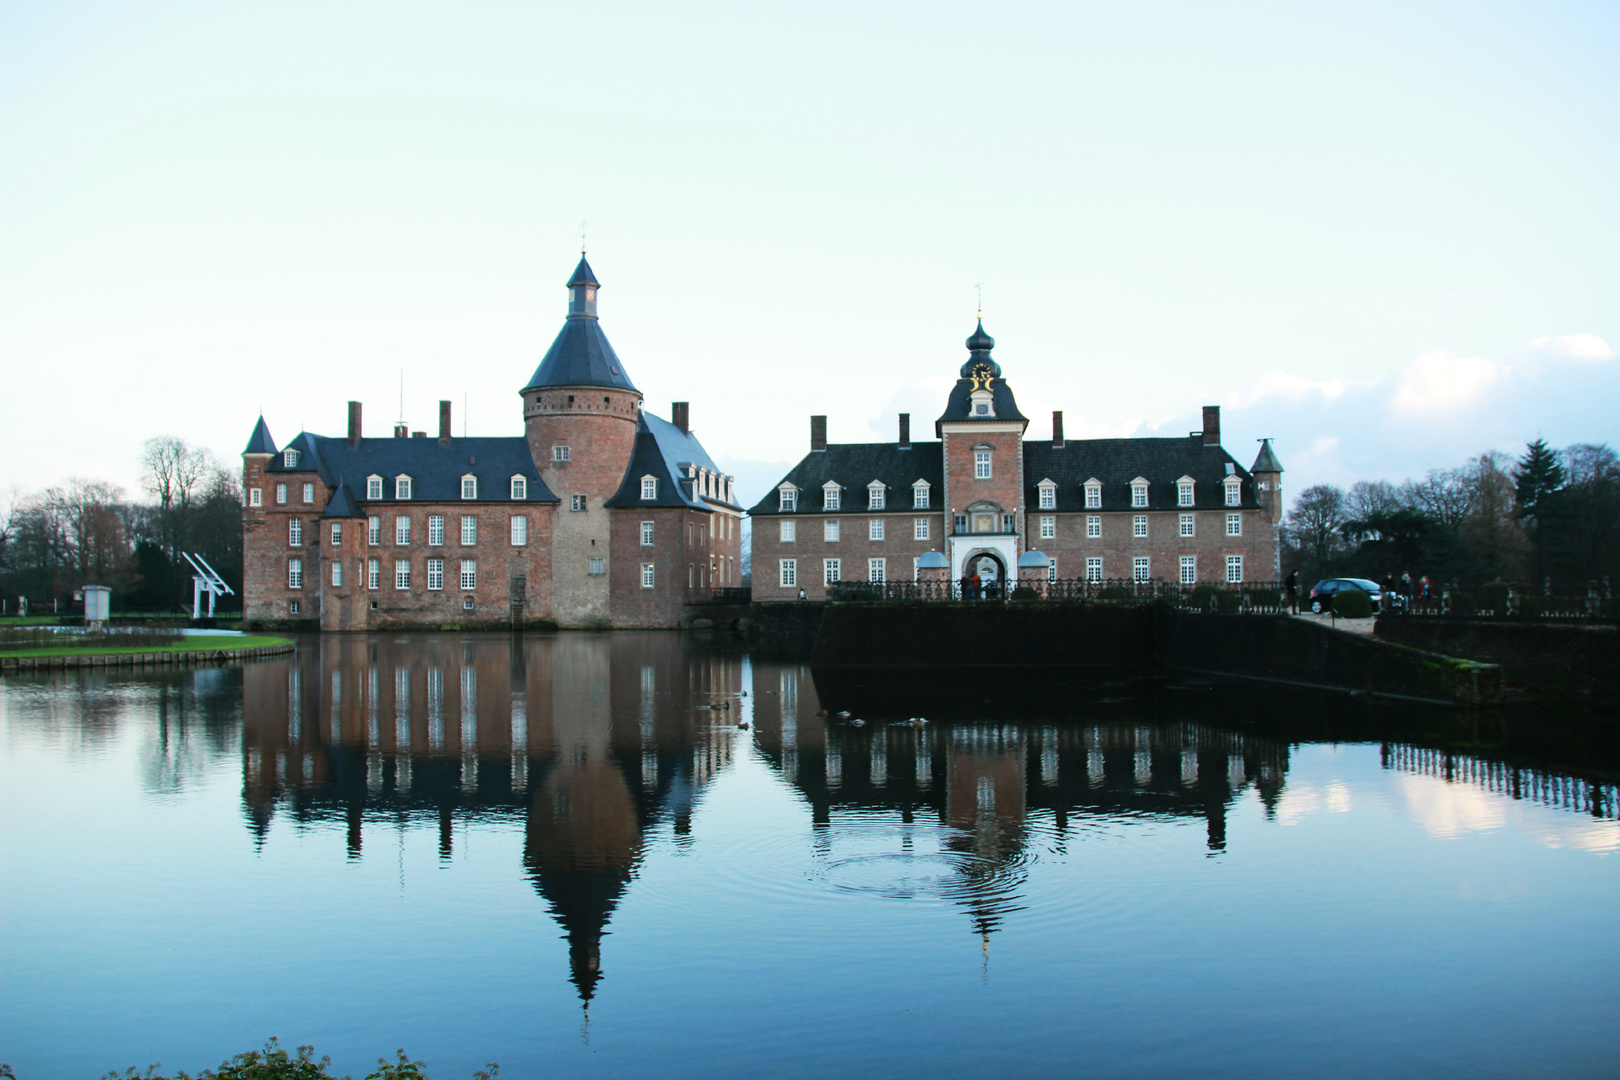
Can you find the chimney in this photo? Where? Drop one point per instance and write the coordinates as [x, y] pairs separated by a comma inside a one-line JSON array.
[[444, 422], [905, 431], [818, 433], [681, 413], [1212, 425], [1057, 429], [418, 434], [401, 431], [354, 423]]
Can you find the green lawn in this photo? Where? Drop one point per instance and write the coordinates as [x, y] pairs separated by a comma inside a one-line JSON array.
[[202, 644]]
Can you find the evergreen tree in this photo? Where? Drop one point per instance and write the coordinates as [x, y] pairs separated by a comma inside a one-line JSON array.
[[1537, 475]]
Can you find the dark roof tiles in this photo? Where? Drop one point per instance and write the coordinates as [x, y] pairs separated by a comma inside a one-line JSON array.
[[663, 451], [1117, 462], [581, 356], [853, 466], [435, 468]]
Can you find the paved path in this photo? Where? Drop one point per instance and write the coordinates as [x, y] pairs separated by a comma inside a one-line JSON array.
[[1355, 626]]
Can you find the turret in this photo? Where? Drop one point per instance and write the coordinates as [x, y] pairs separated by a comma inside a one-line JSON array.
[[1267, 472]]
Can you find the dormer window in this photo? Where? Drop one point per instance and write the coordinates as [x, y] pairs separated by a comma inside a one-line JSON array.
[[374, 487], [919, 495], [520, 487], [1184, 491], [402, 487], [1047, 494], [832, 496], [289, 458], [1139, 492], [875, 495], [649, 487], [787, 498], [1234, 490], [1093, 494], [469, 487]]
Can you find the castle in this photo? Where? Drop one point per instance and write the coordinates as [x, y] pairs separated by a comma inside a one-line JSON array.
[[984, 500], [599, 515]]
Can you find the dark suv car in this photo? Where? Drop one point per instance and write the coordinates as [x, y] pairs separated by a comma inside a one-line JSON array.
[[1322, 593]]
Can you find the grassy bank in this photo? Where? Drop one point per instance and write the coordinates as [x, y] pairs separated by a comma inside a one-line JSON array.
[[191, 644]]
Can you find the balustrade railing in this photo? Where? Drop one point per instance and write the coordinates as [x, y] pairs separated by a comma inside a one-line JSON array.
[[1258, 597]]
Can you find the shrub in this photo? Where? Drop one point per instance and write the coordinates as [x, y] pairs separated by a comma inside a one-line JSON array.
[[1462, 603], [1227, 601], [1352, 604], [1023, 592], [1202, 598], [1114, 592], [274, 1063], [1493, 595], [1530, 604]]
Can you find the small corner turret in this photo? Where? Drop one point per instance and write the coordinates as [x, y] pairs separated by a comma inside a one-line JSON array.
[[582, 291]]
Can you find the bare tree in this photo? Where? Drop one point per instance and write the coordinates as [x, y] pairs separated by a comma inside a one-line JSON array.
[[1315, 521], [176, 474], [1492, 529]]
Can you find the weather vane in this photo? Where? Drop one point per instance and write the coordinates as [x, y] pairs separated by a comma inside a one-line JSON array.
[[582, 236], [980, 287]]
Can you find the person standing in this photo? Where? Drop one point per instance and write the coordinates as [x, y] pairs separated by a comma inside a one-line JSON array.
[[974, 584], [1291, 583]]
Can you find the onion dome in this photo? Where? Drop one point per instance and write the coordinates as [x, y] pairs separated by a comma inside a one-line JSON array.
[[979, 346]]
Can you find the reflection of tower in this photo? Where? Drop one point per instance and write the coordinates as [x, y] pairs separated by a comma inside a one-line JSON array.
[[985, 805]]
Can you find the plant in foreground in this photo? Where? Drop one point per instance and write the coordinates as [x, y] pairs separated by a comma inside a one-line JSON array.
[[274, 1063]]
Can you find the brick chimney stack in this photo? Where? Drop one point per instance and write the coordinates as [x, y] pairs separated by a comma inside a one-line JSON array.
[[681, 413], [1057, 429], [444, 422], [401, 430], [905, 431], [1212, 425], [818, 433], [354, 423]]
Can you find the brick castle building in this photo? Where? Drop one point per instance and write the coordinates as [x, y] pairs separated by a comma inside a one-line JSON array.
[[983, 498], [600, 514]]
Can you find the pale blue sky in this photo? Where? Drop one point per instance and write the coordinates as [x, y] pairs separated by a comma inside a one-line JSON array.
[[1384, 233]]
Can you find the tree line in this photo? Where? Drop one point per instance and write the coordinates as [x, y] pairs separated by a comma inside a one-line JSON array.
[[88, 532], [1549, 514]]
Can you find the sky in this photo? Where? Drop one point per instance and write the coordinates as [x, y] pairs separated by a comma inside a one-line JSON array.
[[1384, 235]]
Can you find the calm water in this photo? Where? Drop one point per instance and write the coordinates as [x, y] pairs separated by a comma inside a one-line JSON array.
[[555, 854]]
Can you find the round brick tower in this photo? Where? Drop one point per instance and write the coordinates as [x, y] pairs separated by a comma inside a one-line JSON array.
[[580, 412]]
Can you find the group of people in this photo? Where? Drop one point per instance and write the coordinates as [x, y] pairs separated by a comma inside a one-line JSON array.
[[1399, 594], [974, 587]]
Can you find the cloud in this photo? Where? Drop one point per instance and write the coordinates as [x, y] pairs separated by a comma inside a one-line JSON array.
[[1439, 381], [1579, 348]]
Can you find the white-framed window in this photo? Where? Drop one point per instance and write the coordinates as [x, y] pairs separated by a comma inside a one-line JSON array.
[[295, 573], [1093, 526], [435, 571], [1184, 492], [1186, 523], [469, 487], [596, 565], [787, 571], [520, 488], [1093, 495], [1051, 569], [469, 530], [295, 532], [1234, 568], [1189, 569], [402, 574], [374, 530], [559, 453], [787, 498], [281, 494], [1048, 527], [469, 573], [374, 487], [1009, 522], [1139, 525], [576, 503], [1141, 568], [832, 496], [1139, 492], [292, 607], [309, 494], [648, 575], [649, 487], [402, 487], [256, 496], [1234, 524], [646, 534], [1094, 568], [373, 573], [1047, 495], [1234, 490], [832, 570], [874, 529], [829, 530], [289, 458], [789, 530], [919, 529], [876, 493], [337, 533], [919, 495], [876, 569], [402, 529], [981, 464], [520, 530]]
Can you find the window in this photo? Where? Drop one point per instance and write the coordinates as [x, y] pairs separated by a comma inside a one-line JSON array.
[[402, 574], [337, 574], [469, 530], [981, 464], [256, 497], [1234, 524], [959, 523], [875, 494], [919, 529], [1140, 568], [295, 573], [919, 495], [435, 575], [1093, 495], [1189, 569], [790, 531], [1094, 568], [1184, 492], [1139, 493], [402, 487], [1139, 525], [829, 530], [1093, 526], [281, 494], [649, 487], [309, 494], [520, 488], [289, 458], [832, 570], [1048, 527], [647, 533], [469, 487], [647, 575], [1234, 568], [1009, 522], [559, 453], [832, 497], [1051, 570], [874, 529], [374, 487], [469, 573], [402, 529], [576, 503], [787, 499], [373, 573], [1234, 491], [596, 565], [295, 532], [1186, 521], [337, 533], [1048, 496], [373, 530], [788, 573], [292, 607], [466, 603], [435, 530], [875, 569], [520, 530]]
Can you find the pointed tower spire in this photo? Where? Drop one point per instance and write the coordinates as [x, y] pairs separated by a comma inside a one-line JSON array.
[[582, 291]]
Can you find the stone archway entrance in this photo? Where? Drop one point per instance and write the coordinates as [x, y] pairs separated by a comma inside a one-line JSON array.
[[992, 573]]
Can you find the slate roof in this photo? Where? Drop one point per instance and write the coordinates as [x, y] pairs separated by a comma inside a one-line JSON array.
[[260, 441], [1267, 459], [662, 450], [435, 470], [583, 274], [581, 355], [343, 504], [855, 465], [1116, 462], [960, 405]]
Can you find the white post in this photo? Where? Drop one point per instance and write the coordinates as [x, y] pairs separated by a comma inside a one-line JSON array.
[[196, 597]]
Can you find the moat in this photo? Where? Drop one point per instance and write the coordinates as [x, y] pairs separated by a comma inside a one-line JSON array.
[[649, 854]]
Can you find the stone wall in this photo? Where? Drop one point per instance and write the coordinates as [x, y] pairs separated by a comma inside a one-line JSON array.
[[1580, 661]]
